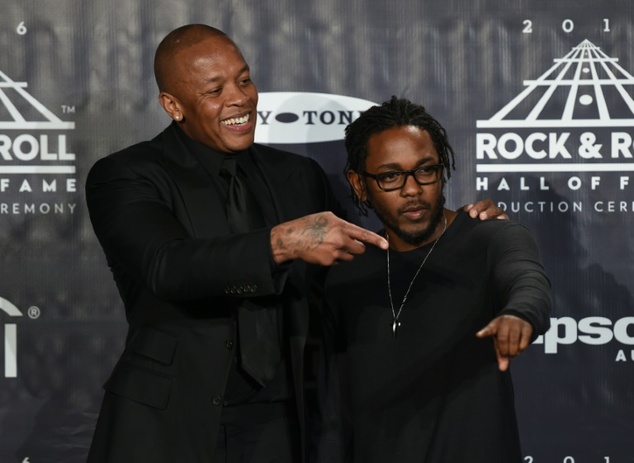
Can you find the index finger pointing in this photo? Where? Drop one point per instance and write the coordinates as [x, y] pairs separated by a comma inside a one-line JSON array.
[[361, 234]]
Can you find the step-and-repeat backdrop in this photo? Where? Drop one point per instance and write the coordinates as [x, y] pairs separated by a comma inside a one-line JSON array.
[[538, 100]]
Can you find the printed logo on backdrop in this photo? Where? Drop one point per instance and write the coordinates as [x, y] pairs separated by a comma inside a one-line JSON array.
[[37, 169], [10, 339], [568, 134], [10, 333], [571, 128], [298, 117]]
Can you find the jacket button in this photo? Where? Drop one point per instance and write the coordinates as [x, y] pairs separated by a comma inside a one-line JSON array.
[[229, 344], [217, 400]]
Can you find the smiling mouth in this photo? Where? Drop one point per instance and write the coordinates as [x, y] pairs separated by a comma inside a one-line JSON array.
[[236, 121]]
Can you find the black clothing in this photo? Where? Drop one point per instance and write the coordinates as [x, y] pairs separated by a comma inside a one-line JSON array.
[[159, 214], [434, 393], [241, 388]]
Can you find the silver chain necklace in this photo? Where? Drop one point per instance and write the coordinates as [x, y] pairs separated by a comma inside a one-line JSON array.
[[396, 315]]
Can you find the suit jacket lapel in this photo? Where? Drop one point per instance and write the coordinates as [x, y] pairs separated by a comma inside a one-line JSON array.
[[277, 176], [205, 211]]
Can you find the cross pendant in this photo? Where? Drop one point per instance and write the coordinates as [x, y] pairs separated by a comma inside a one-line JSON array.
[[395, 325]]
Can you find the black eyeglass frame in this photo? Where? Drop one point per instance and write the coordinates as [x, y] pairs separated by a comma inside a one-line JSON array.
[[434, 168]]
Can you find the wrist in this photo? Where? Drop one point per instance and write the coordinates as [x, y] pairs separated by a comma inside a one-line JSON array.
[[280, 248]]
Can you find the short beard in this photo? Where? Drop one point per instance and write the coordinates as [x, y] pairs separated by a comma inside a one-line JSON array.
[[414, 238]]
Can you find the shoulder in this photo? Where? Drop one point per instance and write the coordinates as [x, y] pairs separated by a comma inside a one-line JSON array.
[[136, 158], [153, 164], [490, 234], [502, 238], [141, 159], [488, 228]]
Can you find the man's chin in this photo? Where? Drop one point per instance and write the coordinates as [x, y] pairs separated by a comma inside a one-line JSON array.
[[414, 237], [239, 145], [420, 233]]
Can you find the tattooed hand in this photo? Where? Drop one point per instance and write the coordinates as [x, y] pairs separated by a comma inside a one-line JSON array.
[[321, 238]]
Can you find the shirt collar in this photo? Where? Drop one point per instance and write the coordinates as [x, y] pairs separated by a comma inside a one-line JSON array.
[[212, 159]]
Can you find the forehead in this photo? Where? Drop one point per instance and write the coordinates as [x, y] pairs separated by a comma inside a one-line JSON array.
[[212, 54], [401, 144]]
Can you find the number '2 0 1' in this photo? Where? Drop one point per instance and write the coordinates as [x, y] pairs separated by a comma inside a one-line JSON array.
[[567, 26], [529, 459]]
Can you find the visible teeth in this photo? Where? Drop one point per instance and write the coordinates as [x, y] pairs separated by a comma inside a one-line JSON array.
[[236, 120]]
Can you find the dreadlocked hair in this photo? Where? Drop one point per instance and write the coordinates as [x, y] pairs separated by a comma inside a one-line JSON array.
[[397, 112]]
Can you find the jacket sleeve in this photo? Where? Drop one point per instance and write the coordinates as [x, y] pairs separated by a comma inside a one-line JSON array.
[[519, 277], [133, 211]]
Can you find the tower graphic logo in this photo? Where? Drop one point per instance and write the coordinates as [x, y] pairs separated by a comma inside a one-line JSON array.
[[574, 92], [47, 119], [21, 151], [576, 117]]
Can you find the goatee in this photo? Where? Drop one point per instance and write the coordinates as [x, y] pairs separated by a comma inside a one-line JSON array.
[[414, 238]]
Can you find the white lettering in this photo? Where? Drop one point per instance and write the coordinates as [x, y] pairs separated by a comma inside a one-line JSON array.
[[590, 330], [620, 330], [517, 146], [621, 143], [26, 147], [596, 331], [10, 350], [482, 183], [574, 183], [556, 145], [25, 186], [542, 154], [485, 144]]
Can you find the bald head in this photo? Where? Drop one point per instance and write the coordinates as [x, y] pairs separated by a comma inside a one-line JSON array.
[[176, 41]]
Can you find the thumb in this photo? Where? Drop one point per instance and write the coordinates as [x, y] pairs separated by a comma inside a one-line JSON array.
[[488, 330]]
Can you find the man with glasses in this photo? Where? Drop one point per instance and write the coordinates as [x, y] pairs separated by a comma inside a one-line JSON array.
[[212, 241], [419, 339]]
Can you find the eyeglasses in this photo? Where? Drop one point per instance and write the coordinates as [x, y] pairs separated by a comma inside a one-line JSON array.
[[395, 179]]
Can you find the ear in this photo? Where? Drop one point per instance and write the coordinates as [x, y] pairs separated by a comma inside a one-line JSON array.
[[358, 185], [171, 105]]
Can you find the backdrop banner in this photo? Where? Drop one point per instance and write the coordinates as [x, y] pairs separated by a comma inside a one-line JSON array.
[[538, 100]]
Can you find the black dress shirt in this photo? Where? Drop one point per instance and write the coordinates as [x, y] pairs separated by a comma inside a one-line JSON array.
[[241, 389]]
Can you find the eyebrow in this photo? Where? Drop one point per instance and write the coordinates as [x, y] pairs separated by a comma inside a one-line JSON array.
[[396, 166], [217, 78]]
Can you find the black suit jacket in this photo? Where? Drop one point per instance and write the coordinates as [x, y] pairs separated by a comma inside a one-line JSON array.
[[163, 229]]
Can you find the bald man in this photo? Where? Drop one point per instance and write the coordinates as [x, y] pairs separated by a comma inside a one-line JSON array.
[[212, 369]]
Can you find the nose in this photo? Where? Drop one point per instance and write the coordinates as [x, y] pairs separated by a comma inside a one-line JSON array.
[[411, 187], [236, 96]]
